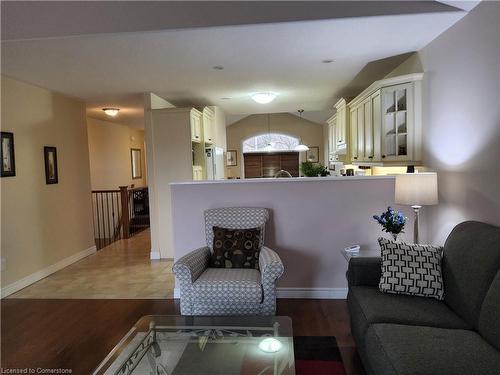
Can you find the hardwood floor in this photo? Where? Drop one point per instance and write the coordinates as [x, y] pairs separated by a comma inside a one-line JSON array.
[[78, 334]]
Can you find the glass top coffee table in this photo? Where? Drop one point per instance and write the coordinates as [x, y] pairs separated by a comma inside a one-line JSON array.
[[181, 345]]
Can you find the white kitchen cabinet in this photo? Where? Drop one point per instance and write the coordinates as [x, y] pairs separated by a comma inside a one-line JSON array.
[[341, 126], [197, 173], [361, 131], [375, 120], [332, 125], [196, 125], [208, 125], [385, 121], [354, 134], [367, 130], [179, 136], [398, 126]]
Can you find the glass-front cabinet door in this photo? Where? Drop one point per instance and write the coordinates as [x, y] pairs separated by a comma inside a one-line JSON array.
[[397, 125]]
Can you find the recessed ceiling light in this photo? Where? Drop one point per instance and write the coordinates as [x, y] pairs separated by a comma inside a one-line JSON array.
[[327, 61], [263, 97], [111, 111], [218, 67]]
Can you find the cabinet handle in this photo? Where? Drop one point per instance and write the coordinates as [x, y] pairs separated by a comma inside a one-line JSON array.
[[355, 158], [383, 156], [370, 157], [196, 136], [340, 140]]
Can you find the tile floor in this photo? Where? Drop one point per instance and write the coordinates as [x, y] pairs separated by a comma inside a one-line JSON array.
[[120, 270]]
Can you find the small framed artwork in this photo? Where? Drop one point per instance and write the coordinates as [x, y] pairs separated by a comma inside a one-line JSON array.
[[312, 154], [8, 158], [231, 158], [51, 174], [135, 158]]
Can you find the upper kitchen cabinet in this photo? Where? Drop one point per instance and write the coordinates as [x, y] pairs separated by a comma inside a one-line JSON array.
[[386, 121], [332, 131], [398, 131], [341, 127], [196, 125], [338, 132], [208, 125]]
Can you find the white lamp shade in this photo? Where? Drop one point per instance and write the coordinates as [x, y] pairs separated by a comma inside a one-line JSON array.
[[417, 189]]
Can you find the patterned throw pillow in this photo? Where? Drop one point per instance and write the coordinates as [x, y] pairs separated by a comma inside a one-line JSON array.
[[236, 248], [411, 269]]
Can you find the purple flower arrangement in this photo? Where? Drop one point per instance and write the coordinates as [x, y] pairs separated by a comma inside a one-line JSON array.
[[392, 221]]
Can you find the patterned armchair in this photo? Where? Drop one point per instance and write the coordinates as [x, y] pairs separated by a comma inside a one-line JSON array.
[[228, 291]]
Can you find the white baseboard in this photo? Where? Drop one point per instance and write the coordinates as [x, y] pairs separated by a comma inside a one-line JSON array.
[[307, 293], [34, 277], [154, 255], [311, 293]]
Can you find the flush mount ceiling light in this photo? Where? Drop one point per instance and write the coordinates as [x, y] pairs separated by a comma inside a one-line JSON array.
[[270, 345], [263, 97], [111, 111]]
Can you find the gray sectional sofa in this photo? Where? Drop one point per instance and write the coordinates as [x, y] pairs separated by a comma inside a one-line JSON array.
[[400, 334]]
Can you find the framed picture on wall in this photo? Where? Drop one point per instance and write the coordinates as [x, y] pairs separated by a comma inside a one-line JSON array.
[[312, 154], [8, 168], [51, 173], [231, 158], [135, 158]]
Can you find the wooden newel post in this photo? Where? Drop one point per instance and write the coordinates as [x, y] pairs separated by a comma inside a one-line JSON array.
[[125, 211]]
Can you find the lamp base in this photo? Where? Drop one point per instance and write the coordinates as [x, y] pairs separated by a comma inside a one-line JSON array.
[[416, 209]]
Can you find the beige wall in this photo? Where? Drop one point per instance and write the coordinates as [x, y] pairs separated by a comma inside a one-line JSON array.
[[43, 224], [109, 151], [309, 133], [462, 120]]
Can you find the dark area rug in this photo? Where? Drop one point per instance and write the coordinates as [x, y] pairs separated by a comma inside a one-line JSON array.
[[317, 355]]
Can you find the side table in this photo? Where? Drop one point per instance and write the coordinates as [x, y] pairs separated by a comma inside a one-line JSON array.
[[363, 252]]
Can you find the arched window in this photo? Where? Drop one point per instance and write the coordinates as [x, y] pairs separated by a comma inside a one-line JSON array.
[[270, 142]]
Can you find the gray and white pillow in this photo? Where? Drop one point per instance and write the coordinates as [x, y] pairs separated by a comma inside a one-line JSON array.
[[411, 269]]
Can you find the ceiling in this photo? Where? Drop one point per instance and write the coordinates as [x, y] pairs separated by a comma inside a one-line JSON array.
[[115, 68]]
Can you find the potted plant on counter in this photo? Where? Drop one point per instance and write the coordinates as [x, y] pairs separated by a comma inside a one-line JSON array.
[[310, 169]]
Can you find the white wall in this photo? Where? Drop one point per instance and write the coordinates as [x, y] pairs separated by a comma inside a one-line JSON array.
[[43, 225], [462, 119], [312, 220]]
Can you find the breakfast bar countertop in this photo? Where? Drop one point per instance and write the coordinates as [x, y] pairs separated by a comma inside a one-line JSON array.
[[279, 180]]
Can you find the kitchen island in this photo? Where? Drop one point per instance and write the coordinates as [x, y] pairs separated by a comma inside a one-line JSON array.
[[311, 220]]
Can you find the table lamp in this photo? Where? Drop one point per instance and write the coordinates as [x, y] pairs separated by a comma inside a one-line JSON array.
[[416, 190]]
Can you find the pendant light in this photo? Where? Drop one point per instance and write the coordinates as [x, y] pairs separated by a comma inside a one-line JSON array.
[[269, 147], [301, 147]]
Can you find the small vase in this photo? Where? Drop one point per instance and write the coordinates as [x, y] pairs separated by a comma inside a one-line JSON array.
[[395, 236]]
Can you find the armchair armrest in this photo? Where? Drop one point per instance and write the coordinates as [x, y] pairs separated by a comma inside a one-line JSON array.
[[271, 268], [364, 271], [191, 266], [270, 265]]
